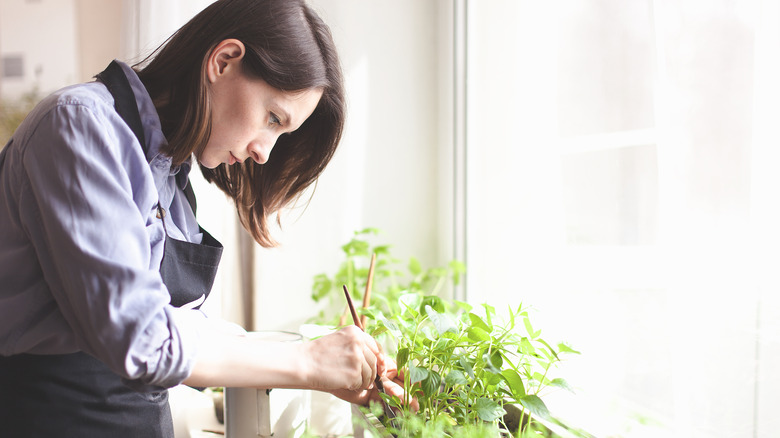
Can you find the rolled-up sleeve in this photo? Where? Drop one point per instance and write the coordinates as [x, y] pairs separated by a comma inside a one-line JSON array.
[[89, 222]]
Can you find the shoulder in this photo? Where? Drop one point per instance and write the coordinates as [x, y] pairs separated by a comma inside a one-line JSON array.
[[74, 129], [89, 101], [81, 115]]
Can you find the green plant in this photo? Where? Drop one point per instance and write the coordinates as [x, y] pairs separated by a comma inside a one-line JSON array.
[[12, 112], [466, 367], [391, 278]]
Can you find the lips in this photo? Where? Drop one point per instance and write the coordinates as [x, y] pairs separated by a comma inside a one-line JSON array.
[[233, 159]]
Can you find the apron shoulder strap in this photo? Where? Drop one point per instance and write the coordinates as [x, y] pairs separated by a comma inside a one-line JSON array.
[[124, 102], [190, 195]]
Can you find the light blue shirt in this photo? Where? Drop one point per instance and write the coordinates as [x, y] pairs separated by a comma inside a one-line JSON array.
[[81, 243]]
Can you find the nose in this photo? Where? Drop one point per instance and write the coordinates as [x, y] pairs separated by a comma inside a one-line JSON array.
[[259, 151]]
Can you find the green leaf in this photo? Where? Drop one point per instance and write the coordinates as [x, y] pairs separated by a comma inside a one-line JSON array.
[[441, 321], [477, 334], [535, 405], [369, 313], [392, 327], [529, 328], [432, 301], [490, 312], [378, 330], [429, 334], [561, 383], [368, 230], [417, 374], [492, 378], [432, 383], [552, 350], [410, 301], [515, 383], [563, 348], [466, 307], [539, 377], [488, 410], [458, 269], [321, 288], [414, 266], [478, 322], [381, 250], [455, 377], [496, 359], [467, 366], [526, 347], [491, 363], [445, 417], [401, 357], [356, 247]]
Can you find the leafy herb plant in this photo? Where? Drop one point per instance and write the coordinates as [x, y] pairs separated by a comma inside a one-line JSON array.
[[392, 278], [465, 366]]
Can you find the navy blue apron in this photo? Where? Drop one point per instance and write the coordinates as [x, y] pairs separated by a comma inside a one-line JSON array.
[[76, 395]]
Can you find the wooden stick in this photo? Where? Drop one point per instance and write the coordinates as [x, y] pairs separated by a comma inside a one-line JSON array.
[[378, 380], [355, 318], [343, 317], [367, 295]]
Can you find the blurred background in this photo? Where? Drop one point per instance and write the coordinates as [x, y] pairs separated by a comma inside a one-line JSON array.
[[610, 163]]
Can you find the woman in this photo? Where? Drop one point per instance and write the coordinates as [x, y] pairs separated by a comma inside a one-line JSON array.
[[102, 260]]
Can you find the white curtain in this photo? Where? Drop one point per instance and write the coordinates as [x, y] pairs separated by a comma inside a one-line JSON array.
[[622, 181]]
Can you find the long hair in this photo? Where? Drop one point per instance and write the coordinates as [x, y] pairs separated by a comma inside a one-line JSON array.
[[290, 48]]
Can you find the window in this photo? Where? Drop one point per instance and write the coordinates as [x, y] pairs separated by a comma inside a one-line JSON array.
[[613, 184]]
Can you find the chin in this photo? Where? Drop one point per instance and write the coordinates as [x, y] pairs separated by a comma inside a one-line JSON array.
[[207, 163]]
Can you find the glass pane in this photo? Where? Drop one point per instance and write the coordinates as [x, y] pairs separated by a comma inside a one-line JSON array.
[[611, 196], [605, 66]]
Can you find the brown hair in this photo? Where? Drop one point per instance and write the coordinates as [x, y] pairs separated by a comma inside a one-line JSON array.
[[290, 48]]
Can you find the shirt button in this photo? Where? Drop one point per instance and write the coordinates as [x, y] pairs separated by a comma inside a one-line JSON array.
[[160, 213]]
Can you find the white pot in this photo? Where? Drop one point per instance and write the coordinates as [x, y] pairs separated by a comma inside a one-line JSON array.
[[252, 413]]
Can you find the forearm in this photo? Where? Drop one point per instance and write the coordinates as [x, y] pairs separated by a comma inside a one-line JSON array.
[[242, 361], [347, 359]]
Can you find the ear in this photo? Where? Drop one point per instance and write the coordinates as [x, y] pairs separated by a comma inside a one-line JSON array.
[[224, 58]]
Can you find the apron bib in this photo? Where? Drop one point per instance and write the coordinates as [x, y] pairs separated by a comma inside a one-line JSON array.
[[76, 395]]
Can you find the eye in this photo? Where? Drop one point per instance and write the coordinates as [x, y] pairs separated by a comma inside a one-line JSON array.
[[274, 119]]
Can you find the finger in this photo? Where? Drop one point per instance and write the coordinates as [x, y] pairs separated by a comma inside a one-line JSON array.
[[395, 388], [381, 358], [365, 376], [392, 374], [391, 368], [370, 362], [378, 358]]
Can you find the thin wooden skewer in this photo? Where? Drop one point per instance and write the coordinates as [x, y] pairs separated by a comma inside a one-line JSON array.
[[367, 295], [378, 380], [343, 317], [355, 318]]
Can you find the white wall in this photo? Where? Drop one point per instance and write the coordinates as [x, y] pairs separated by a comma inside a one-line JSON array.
[[385, 173], [45, 32]]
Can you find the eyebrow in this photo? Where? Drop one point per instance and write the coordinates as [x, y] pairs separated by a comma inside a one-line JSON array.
[[287, 119]]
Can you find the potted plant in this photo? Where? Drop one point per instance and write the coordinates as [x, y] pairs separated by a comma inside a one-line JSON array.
[[474, 371], [13, 111]]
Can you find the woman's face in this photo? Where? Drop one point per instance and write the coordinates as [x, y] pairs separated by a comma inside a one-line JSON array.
[[248, 116]]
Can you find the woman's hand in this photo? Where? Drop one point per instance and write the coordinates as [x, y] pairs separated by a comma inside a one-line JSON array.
[[345, 360], [393, 382]]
